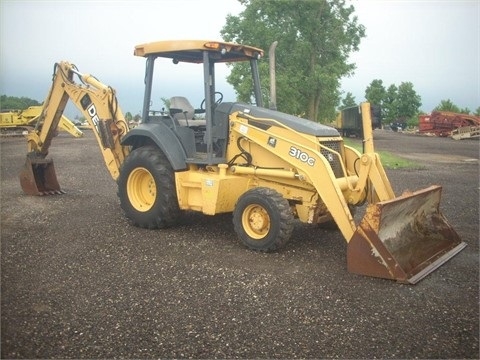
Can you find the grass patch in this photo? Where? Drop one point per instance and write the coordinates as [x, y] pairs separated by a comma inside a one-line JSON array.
[[389, 160]]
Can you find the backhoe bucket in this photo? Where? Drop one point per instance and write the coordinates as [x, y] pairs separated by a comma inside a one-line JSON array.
[[38, 177], [403, 239]]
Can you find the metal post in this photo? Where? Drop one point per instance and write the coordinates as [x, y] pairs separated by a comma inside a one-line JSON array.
[[148, 87], [207, 79]]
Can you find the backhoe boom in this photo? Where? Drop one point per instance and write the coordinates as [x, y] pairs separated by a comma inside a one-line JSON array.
[[97, 102]]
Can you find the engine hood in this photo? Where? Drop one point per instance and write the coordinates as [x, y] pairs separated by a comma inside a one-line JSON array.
[[296, 123]]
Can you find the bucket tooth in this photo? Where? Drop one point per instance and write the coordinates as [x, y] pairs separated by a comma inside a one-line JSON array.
[[403, 239]]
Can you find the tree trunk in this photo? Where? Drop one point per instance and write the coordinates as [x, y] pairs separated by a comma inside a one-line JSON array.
[[311, 108]]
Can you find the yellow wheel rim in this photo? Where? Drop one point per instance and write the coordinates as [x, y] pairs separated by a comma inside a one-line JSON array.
[[141, 189], [256, 221]]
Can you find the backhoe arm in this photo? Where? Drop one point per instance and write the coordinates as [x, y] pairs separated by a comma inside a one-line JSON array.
[[98, 104]]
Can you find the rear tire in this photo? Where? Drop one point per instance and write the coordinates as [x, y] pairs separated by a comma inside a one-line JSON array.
[[263, 219], [146, 189]]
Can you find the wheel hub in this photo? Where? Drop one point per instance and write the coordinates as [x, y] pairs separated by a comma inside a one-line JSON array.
[[256, 221], [141, 189]]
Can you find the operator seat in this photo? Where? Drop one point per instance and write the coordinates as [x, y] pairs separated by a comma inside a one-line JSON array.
[[184, 112]]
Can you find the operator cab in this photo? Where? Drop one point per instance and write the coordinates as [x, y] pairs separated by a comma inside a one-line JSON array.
[[203, 132]]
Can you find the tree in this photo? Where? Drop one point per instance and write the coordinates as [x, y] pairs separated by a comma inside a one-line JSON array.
[[348, 101], [477, 112], [128, 116], [389, 107], [408, 102], [375, 92], [16, 103], [447, 105], [314, 38]]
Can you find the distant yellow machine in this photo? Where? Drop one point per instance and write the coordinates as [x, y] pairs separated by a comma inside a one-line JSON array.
[[265, 167], [18, 122]]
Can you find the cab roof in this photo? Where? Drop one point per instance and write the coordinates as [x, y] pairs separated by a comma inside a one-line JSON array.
[[192, 50]]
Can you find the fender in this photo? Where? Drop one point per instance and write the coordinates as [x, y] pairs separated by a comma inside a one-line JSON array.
[[163, 137]]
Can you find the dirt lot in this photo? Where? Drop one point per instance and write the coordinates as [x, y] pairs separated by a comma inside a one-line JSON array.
[[78, 281]]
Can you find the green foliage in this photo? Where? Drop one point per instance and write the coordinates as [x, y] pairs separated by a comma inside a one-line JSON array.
[[392, 161], [408, 102], [448, 105], [403, 104], [375, 93], [16, 103], [314, 38], [128, 116], [389, 106], [400, 103], [389, 160], [348, 101], [413, 121]]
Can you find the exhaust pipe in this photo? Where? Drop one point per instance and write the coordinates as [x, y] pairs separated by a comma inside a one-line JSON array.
[[273, 86]]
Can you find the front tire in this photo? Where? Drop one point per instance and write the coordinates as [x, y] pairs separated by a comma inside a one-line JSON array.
[[263, 219], [146, 189]]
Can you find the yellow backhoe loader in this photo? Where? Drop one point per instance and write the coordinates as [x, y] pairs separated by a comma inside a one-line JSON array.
[[266, 167], [18, 122]]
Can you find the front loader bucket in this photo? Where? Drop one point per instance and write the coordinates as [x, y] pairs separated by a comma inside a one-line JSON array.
[[38, 177], [403, 239]]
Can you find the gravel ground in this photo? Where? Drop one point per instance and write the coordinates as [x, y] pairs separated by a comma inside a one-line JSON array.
[[78, 281]]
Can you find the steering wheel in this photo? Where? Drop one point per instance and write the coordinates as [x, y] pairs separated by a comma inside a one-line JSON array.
[[218, 101]]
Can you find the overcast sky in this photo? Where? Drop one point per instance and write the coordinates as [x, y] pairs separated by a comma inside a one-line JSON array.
[[433, 44]]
